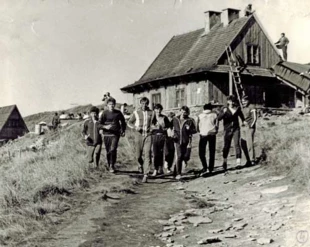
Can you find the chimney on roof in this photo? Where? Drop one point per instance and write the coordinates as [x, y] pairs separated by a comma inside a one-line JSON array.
[[228, 15], [211, 18]]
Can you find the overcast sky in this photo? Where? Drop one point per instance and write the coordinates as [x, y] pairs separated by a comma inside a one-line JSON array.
[[57, 53]]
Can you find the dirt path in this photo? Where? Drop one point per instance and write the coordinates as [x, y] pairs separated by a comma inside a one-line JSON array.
[[247, 207]]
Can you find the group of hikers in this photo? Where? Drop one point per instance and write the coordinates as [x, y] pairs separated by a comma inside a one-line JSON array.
[[165, 141]]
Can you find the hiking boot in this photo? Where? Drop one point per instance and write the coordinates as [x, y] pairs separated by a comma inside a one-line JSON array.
[[154, 173], [144, 179], [169, 171], [160, 171], [253, 162], [111, 169]]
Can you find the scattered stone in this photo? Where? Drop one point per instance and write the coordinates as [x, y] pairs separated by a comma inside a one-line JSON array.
[[216, 231], [240, 227], [164, 222], [185, 236], [180, 188], [252, 239], [276, 226], [226, 182], [228, 226], [209, 240], [197, 220], [237, 219], [180, 228], [169, 240], [166, 234], [263, 241], [169, 245], [230, 236], [170, 228]]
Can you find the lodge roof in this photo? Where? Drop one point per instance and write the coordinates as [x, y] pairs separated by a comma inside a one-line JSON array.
[[192, 52], [5, 113]]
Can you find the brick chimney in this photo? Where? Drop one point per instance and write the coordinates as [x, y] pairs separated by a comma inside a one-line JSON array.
[[228, 15], [211, 18]]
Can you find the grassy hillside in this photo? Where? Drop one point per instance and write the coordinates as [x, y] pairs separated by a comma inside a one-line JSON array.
[[31, 178]]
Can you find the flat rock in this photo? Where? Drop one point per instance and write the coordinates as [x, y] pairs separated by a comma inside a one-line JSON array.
[[237, 219], [164, 222], [216, 231], [230, 236], [209, 240], [263, 241], [185, 236], [170, 228], [197, 220], [166, 235], [276, 226]]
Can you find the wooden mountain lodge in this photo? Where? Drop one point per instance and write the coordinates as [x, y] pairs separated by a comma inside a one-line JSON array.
[[193, 68], [12, 124]]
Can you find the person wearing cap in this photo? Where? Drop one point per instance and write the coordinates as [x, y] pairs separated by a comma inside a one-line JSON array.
[[247, 141], [160, 124], [207, 126], [230, 116], [183, 130], [282, 44], [140, 121], [114, 126], [92, 136], [169, 145], [248, 10]]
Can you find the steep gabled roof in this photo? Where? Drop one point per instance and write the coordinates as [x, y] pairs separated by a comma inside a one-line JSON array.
[[5, 113], [192, 52]]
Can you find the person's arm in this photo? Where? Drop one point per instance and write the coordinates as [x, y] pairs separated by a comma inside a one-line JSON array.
[[254, 118], [193, 129], [132, 120], [198, 121], [216, 122], [222, 114], [85, 130]]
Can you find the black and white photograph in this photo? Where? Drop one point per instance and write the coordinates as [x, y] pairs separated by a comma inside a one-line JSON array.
[[154, 123]]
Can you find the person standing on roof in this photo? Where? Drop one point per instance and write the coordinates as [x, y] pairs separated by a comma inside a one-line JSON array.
[[230, 116], [282, 44], [140, 120], [114, 126], [248, 10]]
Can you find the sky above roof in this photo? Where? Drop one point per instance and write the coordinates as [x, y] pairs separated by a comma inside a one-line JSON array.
[[58, 53]]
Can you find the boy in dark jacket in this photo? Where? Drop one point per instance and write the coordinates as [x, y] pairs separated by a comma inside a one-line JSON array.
[[183, 129], [160, 124], [169, 145], [114, 126], [91, 134], [230, 116]]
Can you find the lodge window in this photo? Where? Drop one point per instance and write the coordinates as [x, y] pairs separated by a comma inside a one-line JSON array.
[[180, 97], [156, 99], [253, 54]]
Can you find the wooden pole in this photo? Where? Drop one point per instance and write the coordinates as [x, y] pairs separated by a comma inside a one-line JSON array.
[[230, 83]]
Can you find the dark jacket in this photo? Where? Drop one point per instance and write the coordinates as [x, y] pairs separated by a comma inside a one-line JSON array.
[[183, 131], [91, 129], [231, 121], [161, 125], [116, 119]]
